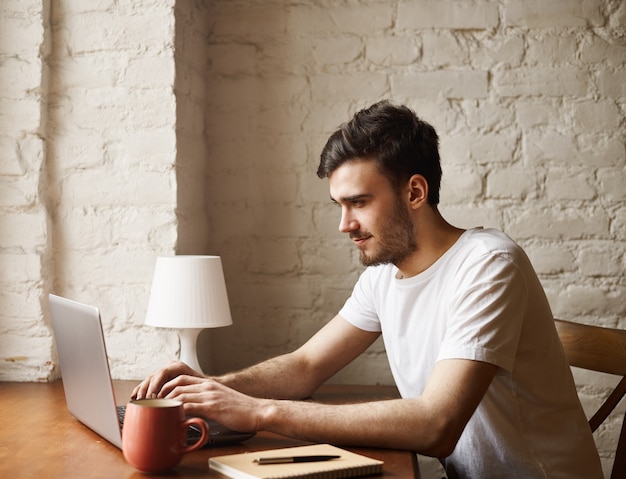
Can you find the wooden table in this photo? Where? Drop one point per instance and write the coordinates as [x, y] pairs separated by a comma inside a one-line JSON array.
[[39, 438]]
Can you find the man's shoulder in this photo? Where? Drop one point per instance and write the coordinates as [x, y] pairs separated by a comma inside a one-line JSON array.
[[492, 249], [489, 240]]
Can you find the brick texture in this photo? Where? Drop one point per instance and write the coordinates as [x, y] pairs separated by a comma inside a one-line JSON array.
[[130, 130]]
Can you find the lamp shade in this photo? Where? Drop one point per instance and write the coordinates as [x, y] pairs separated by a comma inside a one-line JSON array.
[[188, 292]]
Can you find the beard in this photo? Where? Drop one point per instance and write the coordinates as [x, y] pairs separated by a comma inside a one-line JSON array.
[[396, 240]]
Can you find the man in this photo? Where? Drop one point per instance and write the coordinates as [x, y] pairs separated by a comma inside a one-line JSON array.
[[467, 328]]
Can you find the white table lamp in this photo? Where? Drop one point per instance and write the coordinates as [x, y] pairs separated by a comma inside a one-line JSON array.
[[189, 294]]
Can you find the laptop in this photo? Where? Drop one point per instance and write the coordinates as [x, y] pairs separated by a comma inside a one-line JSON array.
[[86, 376]]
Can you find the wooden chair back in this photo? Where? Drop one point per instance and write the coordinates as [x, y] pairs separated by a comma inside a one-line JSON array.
[[604, 350]]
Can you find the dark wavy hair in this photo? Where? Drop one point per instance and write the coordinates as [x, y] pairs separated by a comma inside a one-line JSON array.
[[394, 137]]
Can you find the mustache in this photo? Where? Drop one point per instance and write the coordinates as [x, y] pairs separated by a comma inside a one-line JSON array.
[[357, 235]]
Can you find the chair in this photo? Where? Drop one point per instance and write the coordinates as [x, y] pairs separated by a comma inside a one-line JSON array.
[[604, 350]]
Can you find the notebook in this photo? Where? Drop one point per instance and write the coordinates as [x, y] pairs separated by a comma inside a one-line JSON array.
[[349, 464], [86, 376]]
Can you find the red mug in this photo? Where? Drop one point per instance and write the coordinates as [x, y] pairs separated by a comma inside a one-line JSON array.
[[154, 434]]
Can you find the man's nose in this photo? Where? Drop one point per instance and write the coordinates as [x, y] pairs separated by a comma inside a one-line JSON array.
[[347, 223]]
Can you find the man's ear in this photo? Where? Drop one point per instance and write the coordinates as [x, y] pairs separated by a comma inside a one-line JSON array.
[[418, 191]]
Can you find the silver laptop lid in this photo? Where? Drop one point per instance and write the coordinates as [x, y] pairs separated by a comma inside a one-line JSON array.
[[85, 366]]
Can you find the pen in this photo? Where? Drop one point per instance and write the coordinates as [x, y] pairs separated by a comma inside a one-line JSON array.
[[290, 459]]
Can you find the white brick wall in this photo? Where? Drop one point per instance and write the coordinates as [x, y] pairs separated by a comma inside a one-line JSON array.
[[87, 154], [25, 343], [135, 129], [529, 102]]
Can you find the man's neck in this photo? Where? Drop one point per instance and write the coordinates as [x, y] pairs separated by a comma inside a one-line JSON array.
[[434, 236]]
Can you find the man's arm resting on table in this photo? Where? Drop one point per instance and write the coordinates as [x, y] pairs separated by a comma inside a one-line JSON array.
[[430, 424]]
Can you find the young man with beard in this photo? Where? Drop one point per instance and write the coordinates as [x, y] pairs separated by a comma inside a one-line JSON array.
[[467, 328]]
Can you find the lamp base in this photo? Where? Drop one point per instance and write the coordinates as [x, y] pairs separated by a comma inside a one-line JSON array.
[[188, 351]]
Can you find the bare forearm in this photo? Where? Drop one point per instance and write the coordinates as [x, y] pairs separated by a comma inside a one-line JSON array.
[[429, 424], [282, 377], [399, 424]]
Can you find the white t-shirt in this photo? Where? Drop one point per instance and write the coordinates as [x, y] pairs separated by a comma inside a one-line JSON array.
[[483, 301]]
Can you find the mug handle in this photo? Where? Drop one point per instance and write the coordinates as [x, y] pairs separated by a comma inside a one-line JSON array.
[[204, 428]]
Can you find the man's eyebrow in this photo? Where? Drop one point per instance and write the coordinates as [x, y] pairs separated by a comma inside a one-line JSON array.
[[349, 199]]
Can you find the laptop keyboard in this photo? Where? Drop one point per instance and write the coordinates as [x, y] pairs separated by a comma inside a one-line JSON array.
[[193, 431]]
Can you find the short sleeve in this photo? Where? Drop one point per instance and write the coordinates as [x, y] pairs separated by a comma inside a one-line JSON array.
[[359, 310], [486, 315]]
